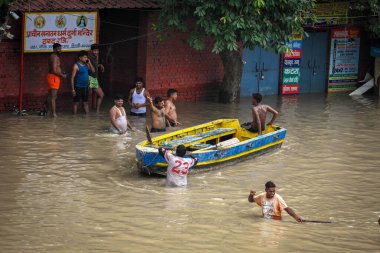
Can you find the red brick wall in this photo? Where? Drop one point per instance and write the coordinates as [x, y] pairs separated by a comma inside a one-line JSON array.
[[173, 64]]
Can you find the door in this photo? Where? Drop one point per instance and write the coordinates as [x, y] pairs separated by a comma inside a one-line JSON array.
[[314, 63], [260, 72]]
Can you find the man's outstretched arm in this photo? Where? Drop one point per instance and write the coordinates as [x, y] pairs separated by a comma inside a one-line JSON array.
[[293, 214]]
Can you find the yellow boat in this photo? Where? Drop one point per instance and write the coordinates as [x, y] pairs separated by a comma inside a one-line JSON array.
[[212, 143]]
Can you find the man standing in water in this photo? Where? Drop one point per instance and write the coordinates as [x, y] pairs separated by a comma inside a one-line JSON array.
[[272, 204], [79, 81], [178, 166], [170, 109], [137, 98], [119, 121], [54, 78], [259, 114], [158, 115], [93, 76]]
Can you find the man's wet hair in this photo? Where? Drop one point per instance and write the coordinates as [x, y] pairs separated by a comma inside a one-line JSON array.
[[157, 100], [171, 92], [139, 79], [82, 53], [269, 184], [118, 96], [94, 46], [257, 97], [56, 45], [181, 151]]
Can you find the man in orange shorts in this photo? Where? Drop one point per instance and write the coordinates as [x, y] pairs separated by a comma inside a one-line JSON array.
[[54, 78]]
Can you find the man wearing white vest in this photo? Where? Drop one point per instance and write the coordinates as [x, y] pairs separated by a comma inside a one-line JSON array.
[[138, 98]]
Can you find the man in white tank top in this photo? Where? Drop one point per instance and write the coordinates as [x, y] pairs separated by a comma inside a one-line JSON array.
[[119, 121], [138, 98]]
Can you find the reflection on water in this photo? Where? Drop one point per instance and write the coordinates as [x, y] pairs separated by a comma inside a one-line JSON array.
[[67, 185]]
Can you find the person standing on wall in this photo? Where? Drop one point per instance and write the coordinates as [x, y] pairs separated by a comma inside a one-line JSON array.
[[93, 77], [79, 81], [54, 78], [138, 98]]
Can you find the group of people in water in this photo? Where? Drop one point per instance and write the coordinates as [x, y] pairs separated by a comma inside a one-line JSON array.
[[84, 76]]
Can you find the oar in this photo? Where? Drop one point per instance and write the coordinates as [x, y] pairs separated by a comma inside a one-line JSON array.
[[317, 221], [148, 136]]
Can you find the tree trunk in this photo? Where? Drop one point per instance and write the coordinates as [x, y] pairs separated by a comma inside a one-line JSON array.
[[233, 69]]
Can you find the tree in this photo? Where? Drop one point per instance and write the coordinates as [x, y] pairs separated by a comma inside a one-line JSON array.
[[371, 9], [235, 23]]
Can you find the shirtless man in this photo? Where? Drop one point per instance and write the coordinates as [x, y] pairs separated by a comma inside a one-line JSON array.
[[170, 110], [158, 114], [138, 98], [119, 121], [54, 78], [259, 114]]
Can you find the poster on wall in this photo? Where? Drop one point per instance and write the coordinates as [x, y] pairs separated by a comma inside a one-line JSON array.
[[344, 59], [75, 31], [335, 13], [291, 64]]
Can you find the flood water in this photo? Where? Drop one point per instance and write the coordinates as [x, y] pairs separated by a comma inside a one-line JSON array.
[[66, 185]]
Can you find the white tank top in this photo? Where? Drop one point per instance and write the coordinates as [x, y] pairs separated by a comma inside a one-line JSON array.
[[138, 99], [121, 122]]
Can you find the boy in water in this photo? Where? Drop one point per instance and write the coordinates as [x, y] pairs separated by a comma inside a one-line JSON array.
[[170, 109], [119, 121], [158, 114], [259, 114], [178, 166]]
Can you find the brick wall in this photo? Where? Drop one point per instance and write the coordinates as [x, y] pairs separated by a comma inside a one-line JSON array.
[[173, 64]]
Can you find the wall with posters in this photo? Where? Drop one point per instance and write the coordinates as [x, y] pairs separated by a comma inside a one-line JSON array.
[[344, 59]]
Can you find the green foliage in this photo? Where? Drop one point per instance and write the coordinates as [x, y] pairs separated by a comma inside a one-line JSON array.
[[370, 8], [265, 23]]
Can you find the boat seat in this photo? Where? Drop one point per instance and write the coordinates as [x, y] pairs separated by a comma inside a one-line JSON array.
[[201, 137]]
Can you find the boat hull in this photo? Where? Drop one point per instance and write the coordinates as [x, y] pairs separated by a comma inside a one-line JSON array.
[[150, 162]]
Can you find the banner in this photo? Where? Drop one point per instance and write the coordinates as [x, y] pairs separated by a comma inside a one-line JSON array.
[[331, 13], [344, 59], [291, 66], [75, 31]]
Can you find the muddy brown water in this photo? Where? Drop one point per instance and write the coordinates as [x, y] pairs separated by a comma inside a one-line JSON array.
[[67, 185]]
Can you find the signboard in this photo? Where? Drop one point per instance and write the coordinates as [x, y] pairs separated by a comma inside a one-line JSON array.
[[331, 13], [75, 31], [344, 59], [291, 66]]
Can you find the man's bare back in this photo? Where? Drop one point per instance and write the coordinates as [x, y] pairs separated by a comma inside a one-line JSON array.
[[170, 111], [259, 114]]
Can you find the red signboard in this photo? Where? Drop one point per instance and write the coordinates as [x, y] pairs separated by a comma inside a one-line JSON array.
[[294, 54], [290, 89]]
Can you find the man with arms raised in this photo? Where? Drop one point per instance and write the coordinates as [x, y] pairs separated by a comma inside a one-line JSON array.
[[170, 109], [158, 115], [137, 98], [54, 78], [178, 166], [259, 114], [271, 203]]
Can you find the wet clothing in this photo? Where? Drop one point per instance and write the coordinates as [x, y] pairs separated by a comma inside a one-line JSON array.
[[138, 99], [156, 130], [138, 114], [81, 77], [248, 126], [54, 81], [81, 94], [178, 167], [93, 82], [271, 208], [121, 122]]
